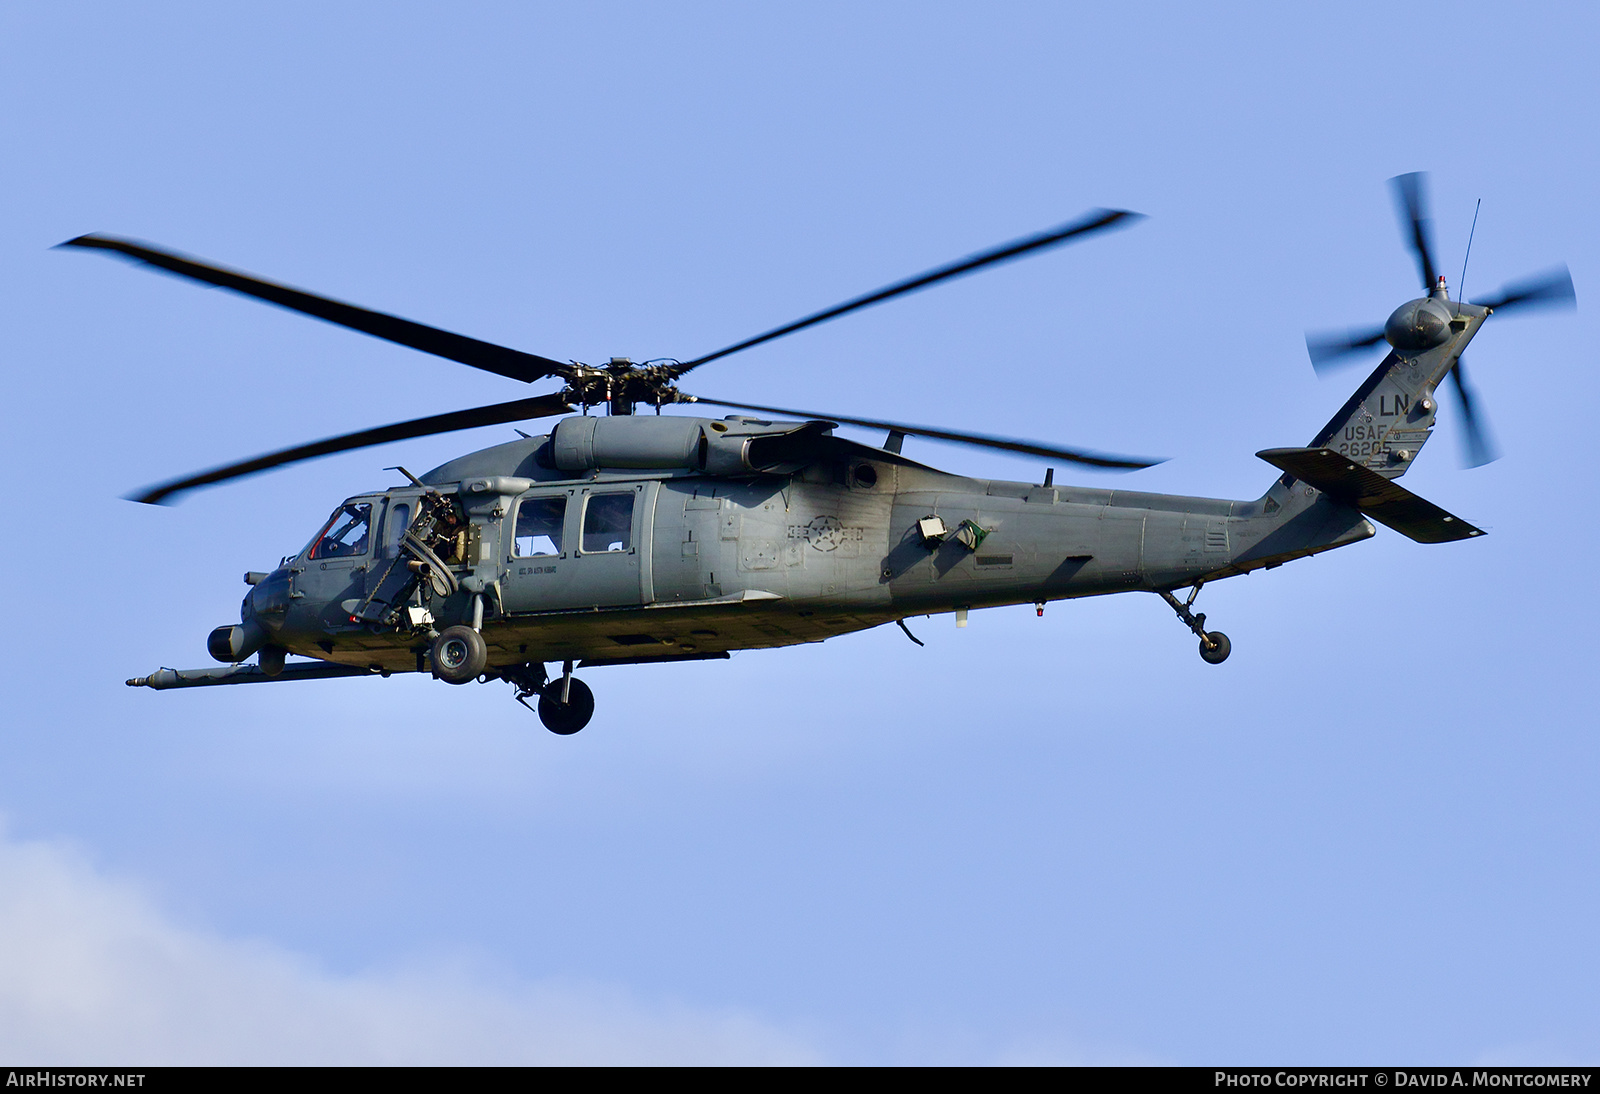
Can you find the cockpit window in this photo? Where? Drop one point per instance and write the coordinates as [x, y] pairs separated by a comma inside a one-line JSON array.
[[345, 534], [608, 523], [539, 526]]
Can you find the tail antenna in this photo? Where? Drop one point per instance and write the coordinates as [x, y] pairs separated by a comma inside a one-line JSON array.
[[1461, 286]]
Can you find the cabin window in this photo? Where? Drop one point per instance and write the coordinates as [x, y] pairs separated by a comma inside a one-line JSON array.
[[345, 534], [395, 525], [539, 523], [608, 523]]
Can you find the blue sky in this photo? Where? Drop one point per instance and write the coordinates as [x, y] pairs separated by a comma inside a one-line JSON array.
[[1370, 836]]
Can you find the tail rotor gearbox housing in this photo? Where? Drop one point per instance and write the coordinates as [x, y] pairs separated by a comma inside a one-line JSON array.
[[1418, 326]]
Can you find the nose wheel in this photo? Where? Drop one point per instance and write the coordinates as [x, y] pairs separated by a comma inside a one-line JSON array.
[[459, 655], [1214, 645]]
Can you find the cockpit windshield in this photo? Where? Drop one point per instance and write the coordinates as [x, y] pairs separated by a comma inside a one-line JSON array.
[[345, 534]]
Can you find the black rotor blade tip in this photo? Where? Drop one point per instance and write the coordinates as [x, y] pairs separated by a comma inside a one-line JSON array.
[[1553, 289], [540, 406], [981, 440], [1328, 351], [1409, 192], [474, 352], [1480, 449], [1096, 220]]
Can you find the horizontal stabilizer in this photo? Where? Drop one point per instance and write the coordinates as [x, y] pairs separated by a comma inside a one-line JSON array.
[[1379, 498]]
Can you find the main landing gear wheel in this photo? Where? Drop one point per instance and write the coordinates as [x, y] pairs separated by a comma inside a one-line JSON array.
[[570, 716], [459, 655], [1215, 647]]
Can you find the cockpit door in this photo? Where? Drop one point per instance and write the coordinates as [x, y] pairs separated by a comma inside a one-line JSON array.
[[580, 547], [333, 568]]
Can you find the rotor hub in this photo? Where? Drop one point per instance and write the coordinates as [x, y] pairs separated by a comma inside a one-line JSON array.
[[620, 384]]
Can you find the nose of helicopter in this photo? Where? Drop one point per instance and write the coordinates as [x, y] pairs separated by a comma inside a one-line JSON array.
[[261, 617], [267, 602], [1418, 326]]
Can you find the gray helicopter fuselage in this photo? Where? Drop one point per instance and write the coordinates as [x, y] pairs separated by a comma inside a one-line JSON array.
[[629, 539], [704, 564]]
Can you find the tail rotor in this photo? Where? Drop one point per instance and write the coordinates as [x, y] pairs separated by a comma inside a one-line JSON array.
[[1332, 350]]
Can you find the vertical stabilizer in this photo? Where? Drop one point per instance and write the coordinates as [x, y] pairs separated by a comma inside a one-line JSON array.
[[1389, 418]]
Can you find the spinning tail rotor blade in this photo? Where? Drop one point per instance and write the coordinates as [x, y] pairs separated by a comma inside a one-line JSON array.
[[982, 440], [1548, 290], [1328, 351], [441, 343], [1096, 221], [1479, 448], [1408, 192], [520, 410]]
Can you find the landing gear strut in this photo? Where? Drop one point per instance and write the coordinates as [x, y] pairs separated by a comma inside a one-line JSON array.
[[1214, 645]]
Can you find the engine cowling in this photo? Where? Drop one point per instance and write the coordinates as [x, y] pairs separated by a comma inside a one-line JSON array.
[[626, 442], [727, 447]]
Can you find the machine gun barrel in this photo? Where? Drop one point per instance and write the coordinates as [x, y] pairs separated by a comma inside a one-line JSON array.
[[165, 679]]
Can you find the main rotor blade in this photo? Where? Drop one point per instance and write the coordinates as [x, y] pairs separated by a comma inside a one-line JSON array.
[[1548, 290], [1329, 350], [517, 365], [1480, 449], [1096, 221], [982, 440], [1408, 192], [540, 406]]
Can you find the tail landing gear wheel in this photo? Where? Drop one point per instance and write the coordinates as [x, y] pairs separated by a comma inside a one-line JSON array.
[[1215, 647], [568, 717], [459, 655]]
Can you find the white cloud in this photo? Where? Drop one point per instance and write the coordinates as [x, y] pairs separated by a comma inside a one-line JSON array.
[[91, 972]]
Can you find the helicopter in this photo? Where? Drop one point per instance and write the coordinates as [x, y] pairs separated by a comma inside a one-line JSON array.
[[626, 538]]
